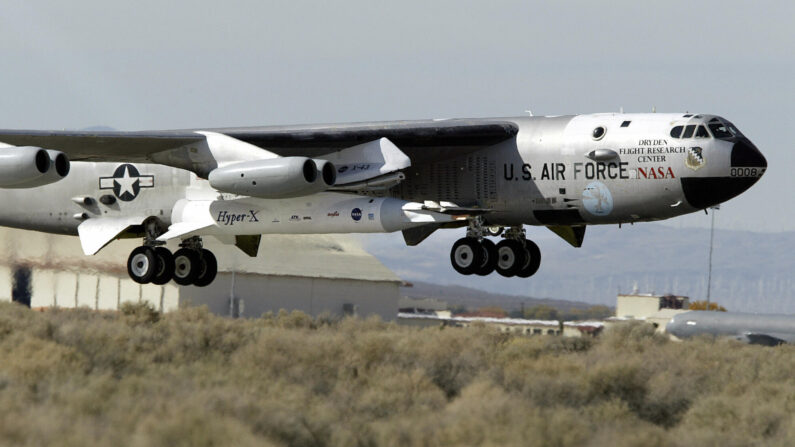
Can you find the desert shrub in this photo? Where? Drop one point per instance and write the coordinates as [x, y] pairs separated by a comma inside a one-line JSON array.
[[140, 313], [192, 378]]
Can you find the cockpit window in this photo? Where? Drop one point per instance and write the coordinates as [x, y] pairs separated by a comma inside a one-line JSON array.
[[689, 131], [719, 130], [701, 132], [676, 132]]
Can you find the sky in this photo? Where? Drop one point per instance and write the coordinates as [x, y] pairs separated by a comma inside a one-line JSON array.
[[179, 64]]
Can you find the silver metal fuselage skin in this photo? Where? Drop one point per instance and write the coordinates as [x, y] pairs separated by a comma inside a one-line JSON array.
[[749, 328], [543, 176]]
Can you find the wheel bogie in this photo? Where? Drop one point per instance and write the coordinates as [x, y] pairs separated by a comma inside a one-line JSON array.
[[513, 256]]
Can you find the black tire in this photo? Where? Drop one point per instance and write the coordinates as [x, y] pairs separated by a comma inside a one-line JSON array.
[[208, 270], [533, 261], [510, 257], [165, 266], [142, 265], [466, 255], [186, 266], [489, 262]]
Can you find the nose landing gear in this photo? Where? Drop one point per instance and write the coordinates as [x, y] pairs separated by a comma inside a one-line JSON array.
[[152, 263], [513, 256]]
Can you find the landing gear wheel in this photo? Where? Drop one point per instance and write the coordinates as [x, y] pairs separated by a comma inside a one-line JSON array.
[[489, 262], [208, 269], [187, 265], [510, 257], [533, 261], [142, 265], [466, 255], [165, 266]]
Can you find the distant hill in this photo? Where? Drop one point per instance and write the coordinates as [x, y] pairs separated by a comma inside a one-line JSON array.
[[751, 271], [475, 298]]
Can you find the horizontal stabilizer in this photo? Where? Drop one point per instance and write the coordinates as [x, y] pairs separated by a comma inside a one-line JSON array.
[[97, 233]]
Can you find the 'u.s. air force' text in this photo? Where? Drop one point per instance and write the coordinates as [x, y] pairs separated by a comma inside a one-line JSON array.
[[558, 171]]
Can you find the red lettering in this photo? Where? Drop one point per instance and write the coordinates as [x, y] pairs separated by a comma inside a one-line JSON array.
[[642, 172], [671, 172]]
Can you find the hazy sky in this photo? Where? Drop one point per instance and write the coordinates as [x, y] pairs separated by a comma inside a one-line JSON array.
[[154, 64]]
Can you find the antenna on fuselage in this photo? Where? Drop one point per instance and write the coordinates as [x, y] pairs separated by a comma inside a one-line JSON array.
[[529, 112], [653, 109], [621, 110]]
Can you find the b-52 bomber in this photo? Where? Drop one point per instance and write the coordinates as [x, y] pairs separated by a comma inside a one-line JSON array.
[[488, 176]]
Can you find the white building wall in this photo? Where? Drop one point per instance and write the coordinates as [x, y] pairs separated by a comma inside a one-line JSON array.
[[5, 282], [258, 294], [42, 288], [636, 306]]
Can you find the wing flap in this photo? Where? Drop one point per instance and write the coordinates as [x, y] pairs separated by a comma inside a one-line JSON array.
[[95, 234]]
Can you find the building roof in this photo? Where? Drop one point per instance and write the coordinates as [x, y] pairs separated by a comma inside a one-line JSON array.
[[507, 321], [318, 256]]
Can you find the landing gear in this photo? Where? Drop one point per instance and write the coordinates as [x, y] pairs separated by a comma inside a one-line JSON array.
[[466, 255], [194, 265], [513, 256], [153, 263], [142, 264], [208, 269], [490, 257], [532, 259], [165, 266], [186, 266]]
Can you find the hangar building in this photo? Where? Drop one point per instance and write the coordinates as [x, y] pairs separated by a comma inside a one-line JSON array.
[[317, 274]]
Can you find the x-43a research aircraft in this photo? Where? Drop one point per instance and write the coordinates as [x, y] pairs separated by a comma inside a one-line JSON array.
[[489, 176]]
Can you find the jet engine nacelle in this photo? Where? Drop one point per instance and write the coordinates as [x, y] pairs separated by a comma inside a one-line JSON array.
[[28, 167], [275, 178]]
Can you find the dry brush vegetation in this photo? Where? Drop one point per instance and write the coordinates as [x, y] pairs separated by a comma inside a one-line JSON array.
[[190, 378]]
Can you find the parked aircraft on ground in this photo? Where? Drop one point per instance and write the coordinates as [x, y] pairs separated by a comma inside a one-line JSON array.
[[489, 176], [759, 329]]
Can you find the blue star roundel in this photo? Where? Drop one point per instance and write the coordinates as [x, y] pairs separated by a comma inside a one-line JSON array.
[[126, 182]]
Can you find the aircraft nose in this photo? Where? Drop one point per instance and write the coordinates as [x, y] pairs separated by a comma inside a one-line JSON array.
[[746, 155], [747, 167]]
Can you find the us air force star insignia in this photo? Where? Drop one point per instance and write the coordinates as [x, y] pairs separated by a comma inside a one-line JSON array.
[[126, 182]]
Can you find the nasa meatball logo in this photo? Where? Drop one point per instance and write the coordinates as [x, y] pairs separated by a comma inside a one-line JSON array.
[[126, 182], [356, 214]]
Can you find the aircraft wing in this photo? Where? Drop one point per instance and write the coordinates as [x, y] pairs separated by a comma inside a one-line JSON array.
[[422, 141]]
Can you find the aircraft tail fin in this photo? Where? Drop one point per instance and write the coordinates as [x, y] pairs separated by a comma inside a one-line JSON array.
[[573, 234], [413, 236]]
